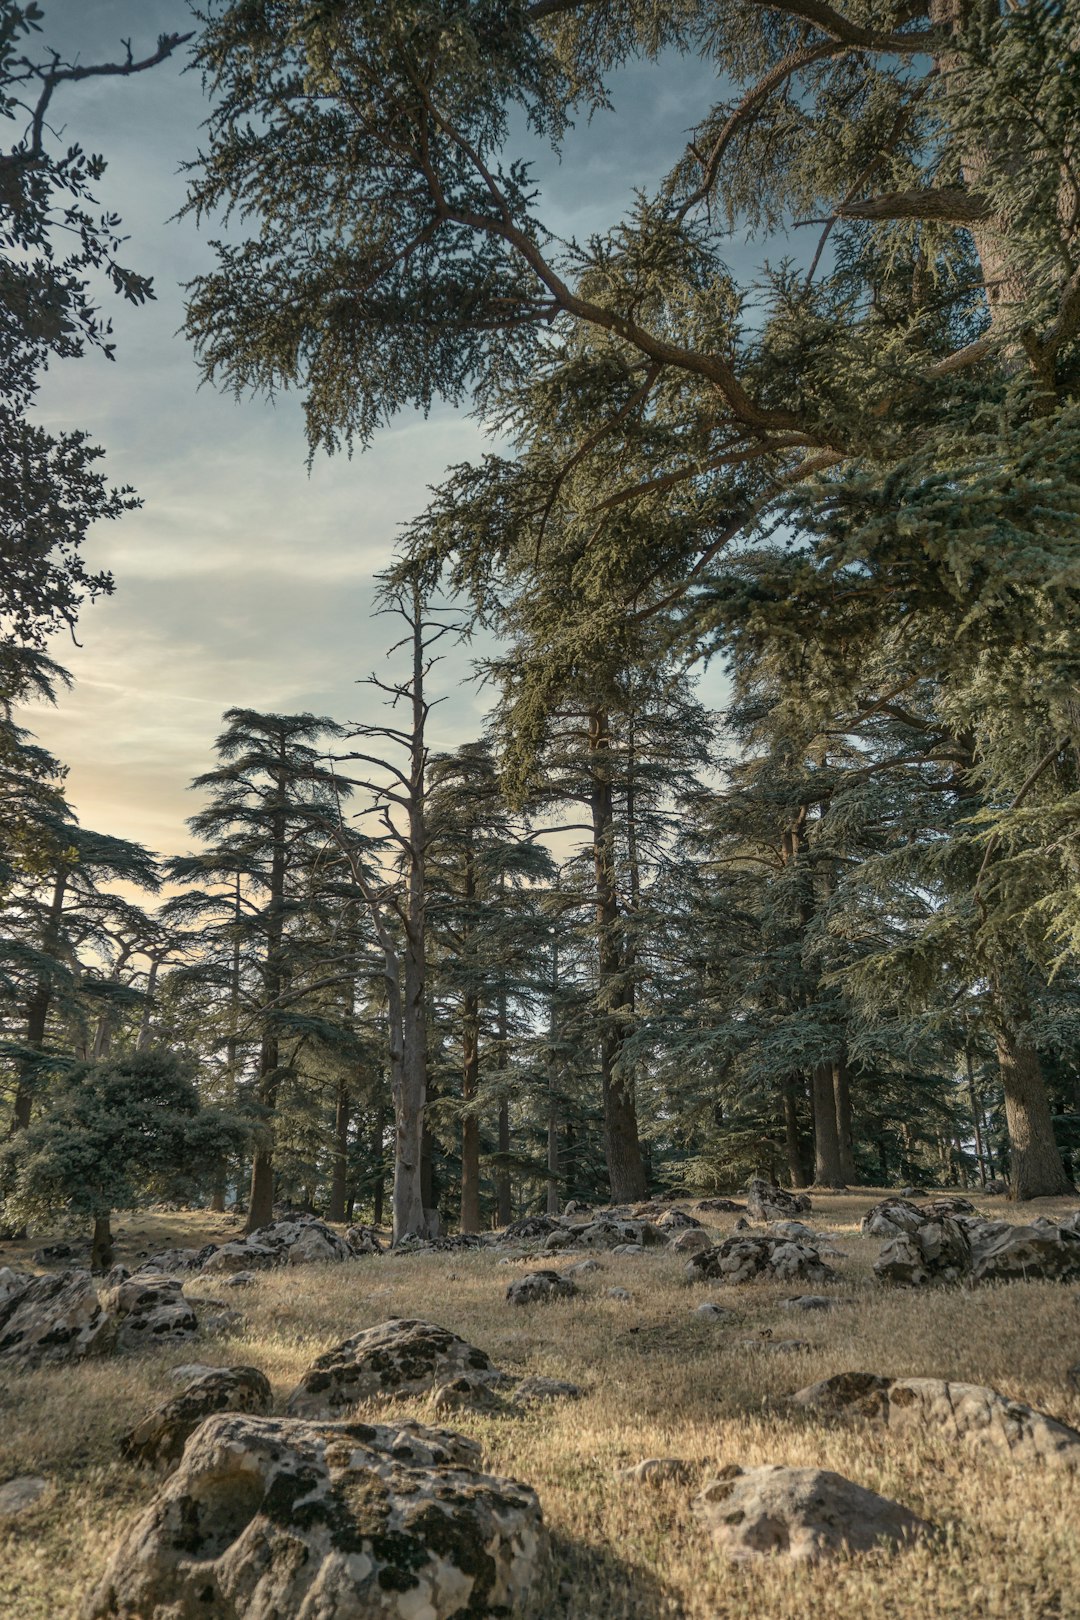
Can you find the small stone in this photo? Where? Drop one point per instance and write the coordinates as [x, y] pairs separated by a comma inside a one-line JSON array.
[[711, 1312], [655, 1471], [546, 1389], [765, 1201], [800, 1514], [777, 1347], [618, 1293], [581, 1268], [692, 1241], [538, 1286], [809, 1302], [21, 1493], [466, 1393]]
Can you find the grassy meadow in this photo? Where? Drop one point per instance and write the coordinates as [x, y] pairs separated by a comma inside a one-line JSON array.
[[658, 1381]]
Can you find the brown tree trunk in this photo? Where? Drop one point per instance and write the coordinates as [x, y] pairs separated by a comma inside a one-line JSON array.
[[826, 1141], [101, 1247], [1035, 1165], [626, 1171], [470, 1125], [377, 1160], [37, 1007], [975, 1116]]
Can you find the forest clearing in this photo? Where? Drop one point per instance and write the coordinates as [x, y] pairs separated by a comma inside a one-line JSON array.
[[656, 1380], [540, 810]]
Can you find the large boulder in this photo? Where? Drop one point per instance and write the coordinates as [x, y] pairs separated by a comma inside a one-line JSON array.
[[801, 1514], [677, 1220], [937, 1251], [749, 1259], [267, 1517], [765, 1201], [530, 1227], [364, 1240], [162, 1436], [57, 1317], [178, 1260], [299, 1240], [891, 1217], [397, 1358], [725, 1206], [971, 1413], [692, 1241], [611, 1232], [150, 1310], [540, 1285], [1024, 1252]]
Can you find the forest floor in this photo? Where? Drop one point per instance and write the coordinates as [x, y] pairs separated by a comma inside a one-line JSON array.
[[658, 1381]]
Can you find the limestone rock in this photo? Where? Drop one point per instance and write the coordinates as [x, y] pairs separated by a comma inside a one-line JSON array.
[[744, 1259], [532, 1226], [711, 1312], [466, 1393], [891, 1217], [188, 1371], [725, 1206], [21, 1493], [767, 1202], [655, 1471], [678, 1220], [613, 1232], [576, 1206], [150, 1309], [239, 1255], [177, 1260], [809, 1302], [581, 1268], [161, 1437], [397, 1358], [621, 1294], [777, 1347], [364, 1240], [1021, 1252], [801, 1514], [276, 1517], [793, 1229], [540, 1285], [978, 1416], [938, 1251], [299, 1240], [692, 1241], [57, 1317]]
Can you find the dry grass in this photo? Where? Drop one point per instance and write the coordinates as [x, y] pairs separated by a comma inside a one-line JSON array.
[[659, 1381]]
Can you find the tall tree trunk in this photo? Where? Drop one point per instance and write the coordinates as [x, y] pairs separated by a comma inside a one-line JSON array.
[[37, 1007], [101, 1246], [377, 1132], [339, 1172], [470, 1125], [261, 1202], [792, 1146], [504, 1205], [844, 1133], [626, 1171], [826, 1140], [975, 1115], [553, 1084], [1035, 1165]]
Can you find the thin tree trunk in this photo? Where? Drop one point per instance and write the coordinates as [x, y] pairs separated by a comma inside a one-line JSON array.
[[974, 1102], [793, 1148], [470, 1125], [626, 1171], [261, 1203], [1035, 1165], [378, 1131], [553, 1085], [844, 1133], [503, 1187], [339, 1173]]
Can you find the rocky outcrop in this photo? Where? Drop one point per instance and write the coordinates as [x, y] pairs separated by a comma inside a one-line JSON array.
[[162, 1436], [300, 1240], [18, 1495], [538, 1286], [167, 1261], [398, 1358], [955, 1248], [801, 1514], [608, 1232], [767, 1202], [724, 1206], [677, 1220], [57, 1317], [898, 1214], [266, 1516], [979, 1417], [364, 1240], [150, 1310], [748, 1259]]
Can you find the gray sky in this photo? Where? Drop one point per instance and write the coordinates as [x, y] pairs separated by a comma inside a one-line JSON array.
[[244, 580]]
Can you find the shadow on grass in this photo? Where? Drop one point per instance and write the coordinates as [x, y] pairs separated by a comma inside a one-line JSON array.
[[591, 1581]]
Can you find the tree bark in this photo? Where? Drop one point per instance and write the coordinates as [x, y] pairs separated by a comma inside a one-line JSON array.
[[1035, 1164], [335, 1210], [626, 1171], [826, 1140], [470, 1125], [793, 1147], [377, 1132], [261, 1203], [37, 1007], [101, 1247]]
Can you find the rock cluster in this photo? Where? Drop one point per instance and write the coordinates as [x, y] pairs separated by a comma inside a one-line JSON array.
[[980, 1417], [301, 1240], [746, 1259], [266, 1516]]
